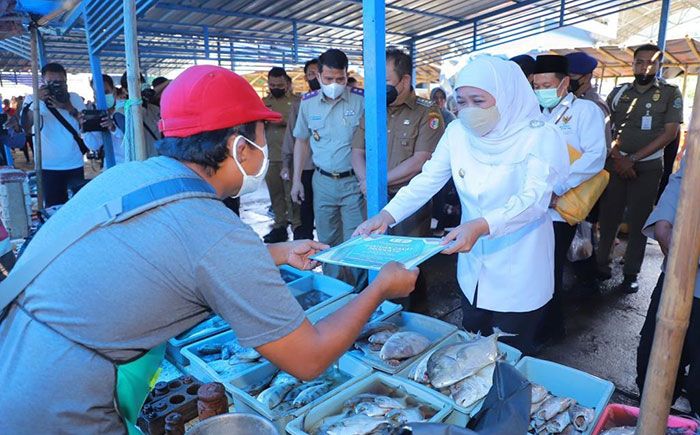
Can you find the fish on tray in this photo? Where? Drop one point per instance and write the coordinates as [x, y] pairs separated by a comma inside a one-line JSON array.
[[474, 388], [392, 344], [370, 413]]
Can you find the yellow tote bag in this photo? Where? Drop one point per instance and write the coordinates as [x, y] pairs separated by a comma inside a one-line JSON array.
[[575, 204]]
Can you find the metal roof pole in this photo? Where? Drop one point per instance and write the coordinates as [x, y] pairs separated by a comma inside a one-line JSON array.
[[233, 57], [414, 56], [98, 86], [673, 315], [295, 37], [374, 59], [42, 50], [132, 76], [663, 22], [37, 115]]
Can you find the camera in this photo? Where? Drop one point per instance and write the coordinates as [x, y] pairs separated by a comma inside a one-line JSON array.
[[59, 91], [92, 120]]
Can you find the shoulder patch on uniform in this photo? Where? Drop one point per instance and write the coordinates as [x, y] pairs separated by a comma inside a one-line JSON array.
[[423, 102], [535, 123], [357, 91], [311, 94], [433, 122], [678, 103]]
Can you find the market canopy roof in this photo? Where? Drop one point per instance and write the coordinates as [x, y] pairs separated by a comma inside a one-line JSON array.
[[173, 34], [614, 61]]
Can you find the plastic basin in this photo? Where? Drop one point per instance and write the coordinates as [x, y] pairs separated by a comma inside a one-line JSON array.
[[435, 330], [234, 423], [247, 403], [586, 389], [375, 383], [460, 415], [616, 415]]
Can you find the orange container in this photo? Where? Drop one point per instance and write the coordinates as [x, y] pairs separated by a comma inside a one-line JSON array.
[[621, 415]]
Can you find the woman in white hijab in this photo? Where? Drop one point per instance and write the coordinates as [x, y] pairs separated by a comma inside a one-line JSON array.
[[505, 161]]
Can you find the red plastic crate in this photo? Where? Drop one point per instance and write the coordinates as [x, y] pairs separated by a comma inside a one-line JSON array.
[[616, 415]]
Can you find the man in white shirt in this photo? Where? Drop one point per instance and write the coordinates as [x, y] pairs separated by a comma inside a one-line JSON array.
[[113, 122], [582, 123], [61, 145]]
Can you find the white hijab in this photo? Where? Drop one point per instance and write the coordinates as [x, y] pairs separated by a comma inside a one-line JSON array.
[[516, 103]]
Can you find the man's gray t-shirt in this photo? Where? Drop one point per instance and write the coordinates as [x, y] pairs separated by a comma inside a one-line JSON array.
[[126, 288]]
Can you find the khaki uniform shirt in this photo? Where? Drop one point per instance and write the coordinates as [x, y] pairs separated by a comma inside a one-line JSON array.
[[414, 126], [274, 131], [329, 125], [639, 117], [288, 142]]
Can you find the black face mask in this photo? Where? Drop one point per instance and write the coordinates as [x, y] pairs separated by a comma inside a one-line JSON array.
[[277, 93], [643, 79], [574, 84], [314, 85], [391, 94]]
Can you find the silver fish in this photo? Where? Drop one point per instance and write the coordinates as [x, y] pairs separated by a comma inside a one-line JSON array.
[[359, 424], [539, 393], [312, 393], [388, 403], [370, 409], [294, 392], [256, 388], [402, 416], [474, 388], [451, 364], [623, 430], [558, 423], [226, 369], [274, 395], [553, 406], [374, 327], [569, 430], [581, 417], [284, 378], [404, 345], [354, 400], [534, 407], [419, 372], [380, 337]]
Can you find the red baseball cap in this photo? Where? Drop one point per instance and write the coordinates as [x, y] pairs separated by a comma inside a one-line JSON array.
[[206, 98]]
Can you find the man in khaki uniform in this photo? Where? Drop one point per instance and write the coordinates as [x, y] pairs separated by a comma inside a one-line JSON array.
[[414, 127], [281, 101], [646, 116]]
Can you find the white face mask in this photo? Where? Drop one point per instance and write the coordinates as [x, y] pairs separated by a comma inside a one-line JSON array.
[[479, 121], [332, 91], [250, 182]]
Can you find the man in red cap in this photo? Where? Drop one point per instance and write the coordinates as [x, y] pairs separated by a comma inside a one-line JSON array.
[[147, 250]]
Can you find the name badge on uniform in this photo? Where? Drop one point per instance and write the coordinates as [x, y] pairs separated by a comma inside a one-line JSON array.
[[315, 117], [349, 112], [646, 122]]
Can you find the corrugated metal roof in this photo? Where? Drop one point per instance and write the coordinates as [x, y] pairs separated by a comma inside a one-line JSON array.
[[173, 33]]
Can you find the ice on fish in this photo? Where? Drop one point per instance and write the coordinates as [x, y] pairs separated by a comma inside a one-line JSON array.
[[404, 345]]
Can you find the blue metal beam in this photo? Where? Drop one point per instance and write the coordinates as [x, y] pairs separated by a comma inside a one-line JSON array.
[[42, 49], [413, 11], [374, 56], [72, 18], [116, 26], [663, 22], [98, 86], [209, 11], [14, 50]]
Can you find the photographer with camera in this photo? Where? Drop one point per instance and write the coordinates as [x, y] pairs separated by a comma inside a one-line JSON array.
[[62, 145], [151, 113], [97, 121]]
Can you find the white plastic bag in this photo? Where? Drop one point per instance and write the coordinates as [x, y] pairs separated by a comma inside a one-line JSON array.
[[581, 247]]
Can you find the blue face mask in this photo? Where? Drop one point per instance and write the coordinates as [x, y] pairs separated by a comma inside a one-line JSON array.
[[548, 98], [109, 98]]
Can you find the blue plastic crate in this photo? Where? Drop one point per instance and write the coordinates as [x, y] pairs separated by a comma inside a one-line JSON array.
[[563, 381], [212, 326], [326, 288], [244, 402], [375, 383], [386, 309], [434, 329], [460, 416], [290, 274]]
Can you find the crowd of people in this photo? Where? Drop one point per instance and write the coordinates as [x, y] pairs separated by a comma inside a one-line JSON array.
[[520, 143]]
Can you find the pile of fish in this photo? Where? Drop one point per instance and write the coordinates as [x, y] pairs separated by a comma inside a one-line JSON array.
[[370, 413], [311, 298], [463, 371], [228, 358], [282, 393], [551, 414], [392, 344]]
